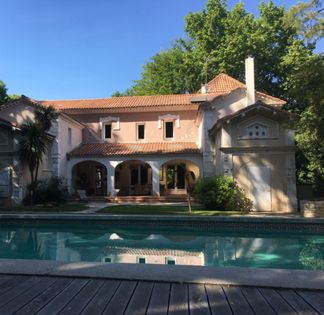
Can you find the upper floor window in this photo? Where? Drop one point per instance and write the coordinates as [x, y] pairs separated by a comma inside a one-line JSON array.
[[140, 132], [108, 125], [69, 136], [169, 122], [168, 129], [256, 131], [108, 130]]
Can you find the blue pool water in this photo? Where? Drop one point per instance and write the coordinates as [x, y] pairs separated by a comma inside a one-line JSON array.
[[120, 244]]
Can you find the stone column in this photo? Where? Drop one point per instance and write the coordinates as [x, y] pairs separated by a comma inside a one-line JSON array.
[[69, 168], [155, 178], [110, 165]]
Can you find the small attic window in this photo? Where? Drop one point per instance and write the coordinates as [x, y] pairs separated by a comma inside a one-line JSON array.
[[257, 131]]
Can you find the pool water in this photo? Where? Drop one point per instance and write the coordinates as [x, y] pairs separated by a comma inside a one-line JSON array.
[[174, 246]]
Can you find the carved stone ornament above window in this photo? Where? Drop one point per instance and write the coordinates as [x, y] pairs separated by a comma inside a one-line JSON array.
[[169, 117], [110, 119]]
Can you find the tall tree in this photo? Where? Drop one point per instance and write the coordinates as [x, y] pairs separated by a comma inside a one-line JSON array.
[[3, 92], [218, 40], [309, 78], [308, 18], [35, 141]]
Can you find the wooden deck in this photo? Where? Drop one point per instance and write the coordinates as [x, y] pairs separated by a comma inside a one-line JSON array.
[[60, 295]]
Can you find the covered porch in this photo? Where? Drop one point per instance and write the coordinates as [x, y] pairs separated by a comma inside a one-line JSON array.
[[134, 175]]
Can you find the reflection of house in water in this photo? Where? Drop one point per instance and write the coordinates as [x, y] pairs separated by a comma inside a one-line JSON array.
[[127, 246], [152, 249]]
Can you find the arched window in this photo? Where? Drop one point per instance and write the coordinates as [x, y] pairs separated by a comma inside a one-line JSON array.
[[257, 131]]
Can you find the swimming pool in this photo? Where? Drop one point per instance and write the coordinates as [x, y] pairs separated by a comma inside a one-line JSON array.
[[161, 244]]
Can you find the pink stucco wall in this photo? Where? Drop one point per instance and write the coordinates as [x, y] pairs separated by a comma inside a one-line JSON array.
[[187, 132]]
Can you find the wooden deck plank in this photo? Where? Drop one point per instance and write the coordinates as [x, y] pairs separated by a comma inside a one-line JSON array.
[[102, 298], [257, 301], [179, 299], [41, 300], [315, 298], [11, 283], [5, 278], [140, 299], [237, 301], [217, 300], [276, 301], [297, 302], [28, 295], [198, 302], [120, 300], [58, 303], [80, 301], [52, 295], [17, 289], [159, 302]]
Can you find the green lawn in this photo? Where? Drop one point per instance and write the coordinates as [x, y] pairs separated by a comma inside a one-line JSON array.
[[40, 208], [162, 210]]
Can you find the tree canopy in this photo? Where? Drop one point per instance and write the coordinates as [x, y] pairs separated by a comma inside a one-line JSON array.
[[4, 97], [218, 40]]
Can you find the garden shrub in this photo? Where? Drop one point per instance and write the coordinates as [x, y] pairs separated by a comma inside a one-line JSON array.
[[50, 190], [312, 255], [222, 193]]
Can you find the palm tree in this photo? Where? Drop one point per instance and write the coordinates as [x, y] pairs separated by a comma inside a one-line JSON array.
[[35, 141]]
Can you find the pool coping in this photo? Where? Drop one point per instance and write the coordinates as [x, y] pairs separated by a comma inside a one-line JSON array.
[[138, 217], [274, 278]]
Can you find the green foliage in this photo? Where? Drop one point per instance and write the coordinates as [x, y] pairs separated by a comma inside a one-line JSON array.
[[128, 92], [312, 255], [308, 19], [219, 39], [4, 97], [3, 92], [222, 193], [33, 146], [305, 87], [51, 190], [35, 141]]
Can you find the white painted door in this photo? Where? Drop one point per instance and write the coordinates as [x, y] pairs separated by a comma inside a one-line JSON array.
[[259, 177]]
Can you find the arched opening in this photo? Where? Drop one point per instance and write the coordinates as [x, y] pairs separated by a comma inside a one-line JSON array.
[[177, 175], [133, 178], [90, 176]]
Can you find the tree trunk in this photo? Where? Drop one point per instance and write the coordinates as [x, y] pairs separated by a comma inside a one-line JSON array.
[[188, 191]]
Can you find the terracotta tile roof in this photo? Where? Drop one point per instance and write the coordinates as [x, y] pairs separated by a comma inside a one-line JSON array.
[[223, 84], [109, 149], [122, 102], [277, 101]]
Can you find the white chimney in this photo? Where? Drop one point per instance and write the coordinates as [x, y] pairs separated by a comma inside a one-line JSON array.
[[249, 81], [204, 89]]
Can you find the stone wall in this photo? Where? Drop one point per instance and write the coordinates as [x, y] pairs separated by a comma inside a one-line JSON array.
[[312, 208]]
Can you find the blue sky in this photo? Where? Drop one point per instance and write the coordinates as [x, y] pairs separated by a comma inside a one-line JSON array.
[[68, 49]]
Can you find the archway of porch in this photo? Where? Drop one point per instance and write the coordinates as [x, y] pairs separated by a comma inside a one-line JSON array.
[[178, 175], [90, 176], [133, 178]]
